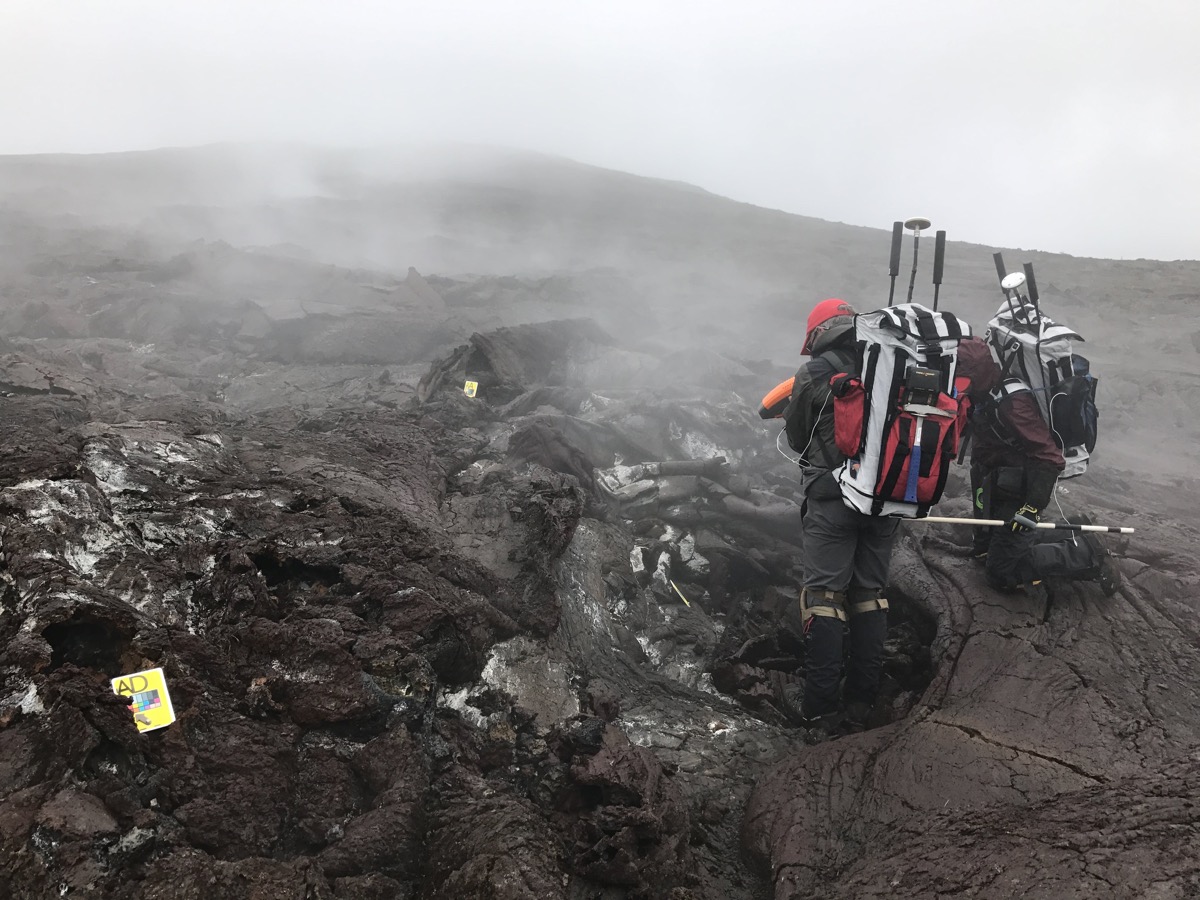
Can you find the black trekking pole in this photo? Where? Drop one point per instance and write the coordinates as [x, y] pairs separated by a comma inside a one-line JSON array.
[[939, 261], [894, 264], [916, 223]]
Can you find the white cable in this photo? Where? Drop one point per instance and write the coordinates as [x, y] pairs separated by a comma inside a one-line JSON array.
[[1075, 536], [802, 459], [792, 459], [813, 433]]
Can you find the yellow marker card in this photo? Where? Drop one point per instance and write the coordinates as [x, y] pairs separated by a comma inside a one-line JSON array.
[[471, 388], [151, 704]]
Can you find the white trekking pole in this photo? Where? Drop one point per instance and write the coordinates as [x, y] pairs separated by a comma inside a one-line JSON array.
[[1027, 522]]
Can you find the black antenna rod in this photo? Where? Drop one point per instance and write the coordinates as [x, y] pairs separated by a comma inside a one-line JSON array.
[[916, 223], [939, 263], [1031, 283], [894, 265], [1000, 270]]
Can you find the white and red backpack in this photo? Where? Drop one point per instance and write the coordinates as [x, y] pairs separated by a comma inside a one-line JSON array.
[[898, 421]]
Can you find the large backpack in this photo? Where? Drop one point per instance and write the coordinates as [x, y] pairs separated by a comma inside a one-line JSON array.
[[898, 422], [1036, 354]]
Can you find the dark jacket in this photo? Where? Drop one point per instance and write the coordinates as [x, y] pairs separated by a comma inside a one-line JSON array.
[[810, 412], [1008, 431]]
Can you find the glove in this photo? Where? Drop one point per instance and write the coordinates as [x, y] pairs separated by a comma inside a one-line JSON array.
[[1029, 512]]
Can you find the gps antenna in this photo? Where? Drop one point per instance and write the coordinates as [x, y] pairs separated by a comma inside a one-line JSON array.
[[894, 265], [916, 223], [939, 262], [1011, 286]]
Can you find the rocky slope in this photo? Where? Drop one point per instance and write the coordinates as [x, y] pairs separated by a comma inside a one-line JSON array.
[[530, 643]]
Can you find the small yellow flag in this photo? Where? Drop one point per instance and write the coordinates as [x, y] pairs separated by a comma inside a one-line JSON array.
[[151, 704], [471, 388]]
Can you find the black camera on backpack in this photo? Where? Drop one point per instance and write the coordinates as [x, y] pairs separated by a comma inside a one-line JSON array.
[[922, 386]]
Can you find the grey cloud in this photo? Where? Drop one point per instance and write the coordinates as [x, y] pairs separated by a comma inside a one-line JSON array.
[[1064, 127]]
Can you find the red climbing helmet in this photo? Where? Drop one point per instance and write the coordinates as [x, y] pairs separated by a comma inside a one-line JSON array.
[[818, 320]]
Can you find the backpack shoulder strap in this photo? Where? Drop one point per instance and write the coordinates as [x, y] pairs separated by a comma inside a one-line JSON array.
[[985, 409], [1004, 352], [836, 360], [840, 359]]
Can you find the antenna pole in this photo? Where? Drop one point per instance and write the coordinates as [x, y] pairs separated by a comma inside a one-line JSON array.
[[939, 262], [894, 264], [912, 279], [916, 223], [1031, 282], [1008, 285], [1000, 270]]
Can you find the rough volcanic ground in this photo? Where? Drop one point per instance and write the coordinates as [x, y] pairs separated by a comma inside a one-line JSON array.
[[526, 644]]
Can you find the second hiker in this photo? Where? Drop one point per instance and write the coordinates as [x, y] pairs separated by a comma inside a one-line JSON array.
[[1015, 464]]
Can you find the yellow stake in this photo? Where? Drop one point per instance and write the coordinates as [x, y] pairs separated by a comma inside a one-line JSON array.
[[679, 592]]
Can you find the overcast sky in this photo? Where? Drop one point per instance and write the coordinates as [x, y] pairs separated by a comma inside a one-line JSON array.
[[1060, 125]]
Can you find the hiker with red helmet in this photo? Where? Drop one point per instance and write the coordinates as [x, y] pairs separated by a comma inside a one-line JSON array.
[[846, 554], [1015, 464]]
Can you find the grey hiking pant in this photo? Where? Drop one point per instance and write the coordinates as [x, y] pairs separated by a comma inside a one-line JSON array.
[[849, 553]]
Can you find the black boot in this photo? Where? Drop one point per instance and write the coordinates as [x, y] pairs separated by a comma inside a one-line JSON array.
[[1108, 575], [822, 728], [857, 716]]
